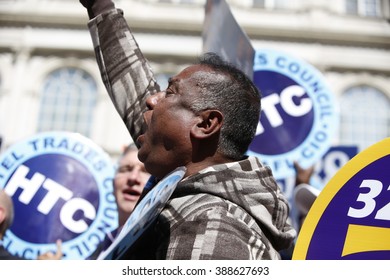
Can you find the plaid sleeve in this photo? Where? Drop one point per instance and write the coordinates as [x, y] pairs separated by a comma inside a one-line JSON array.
[[217, 232], [126, 73]]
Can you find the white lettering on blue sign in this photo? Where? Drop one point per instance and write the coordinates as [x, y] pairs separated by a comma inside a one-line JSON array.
[[299, 113], [62, 181], [286, 101]]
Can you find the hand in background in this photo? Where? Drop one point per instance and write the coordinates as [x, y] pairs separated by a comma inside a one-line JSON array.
[[53, 256], [302, 175], [96, 7]]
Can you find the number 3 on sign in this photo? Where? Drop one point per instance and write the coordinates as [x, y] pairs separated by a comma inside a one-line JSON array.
[[375, 187]]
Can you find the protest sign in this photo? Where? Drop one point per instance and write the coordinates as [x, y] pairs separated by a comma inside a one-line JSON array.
[[299, 113], [222, 35], [144, 215], [350, 219], [61, 187]]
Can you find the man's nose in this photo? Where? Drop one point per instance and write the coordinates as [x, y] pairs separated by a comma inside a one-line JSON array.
[[152, 100]]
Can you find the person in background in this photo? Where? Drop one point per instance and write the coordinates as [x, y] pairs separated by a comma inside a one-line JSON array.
[[228, 205], [129, 181], [6, 220], [303, 198], [304, 193]]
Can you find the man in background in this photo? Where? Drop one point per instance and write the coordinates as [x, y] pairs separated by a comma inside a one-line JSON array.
[[129, 181]]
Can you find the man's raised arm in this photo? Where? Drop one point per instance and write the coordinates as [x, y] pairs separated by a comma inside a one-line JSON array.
[[126, 74]]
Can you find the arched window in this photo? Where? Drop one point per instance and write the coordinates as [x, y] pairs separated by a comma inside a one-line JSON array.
[[365, 116], [68, 99], [272, 4], [367, 8]]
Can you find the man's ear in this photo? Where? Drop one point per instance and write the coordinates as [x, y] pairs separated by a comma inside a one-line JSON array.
[[210, 122]]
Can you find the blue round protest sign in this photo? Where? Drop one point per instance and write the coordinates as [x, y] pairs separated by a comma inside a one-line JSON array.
[[299, 114], [61, 187]]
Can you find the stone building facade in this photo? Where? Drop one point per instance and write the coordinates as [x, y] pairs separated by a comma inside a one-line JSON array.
[[49, 79]]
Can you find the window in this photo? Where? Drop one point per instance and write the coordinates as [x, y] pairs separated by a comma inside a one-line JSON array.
[[259, 4], [272, 4], [192, 2], [68, 100], [368, 8], [282, 4], [365, 117]]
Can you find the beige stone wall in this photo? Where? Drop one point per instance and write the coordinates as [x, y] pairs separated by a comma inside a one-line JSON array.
[[37, 36]]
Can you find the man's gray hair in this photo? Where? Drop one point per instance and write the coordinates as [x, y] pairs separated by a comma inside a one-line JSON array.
[[229, 90]]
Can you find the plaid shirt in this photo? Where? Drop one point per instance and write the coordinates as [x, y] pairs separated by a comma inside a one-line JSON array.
[[227, 211]]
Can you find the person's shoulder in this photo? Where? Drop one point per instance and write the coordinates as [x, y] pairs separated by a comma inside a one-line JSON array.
[[194, 202], [192, 207]]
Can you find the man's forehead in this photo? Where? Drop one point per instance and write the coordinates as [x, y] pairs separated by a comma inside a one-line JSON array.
[[188, 72], [198, 72]]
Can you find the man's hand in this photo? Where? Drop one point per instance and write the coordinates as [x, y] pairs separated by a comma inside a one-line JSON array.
[[97, 7], [50, 255], [87, 3]]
